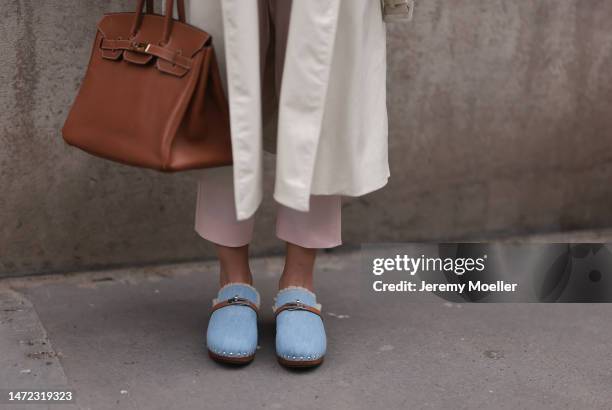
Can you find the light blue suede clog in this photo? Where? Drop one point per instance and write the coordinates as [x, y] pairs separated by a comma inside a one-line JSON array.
[[300, 334], [232, 329]]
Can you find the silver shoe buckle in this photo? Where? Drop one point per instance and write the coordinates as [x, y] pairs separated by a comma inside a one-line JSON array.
[[236, 300], [297, 305]]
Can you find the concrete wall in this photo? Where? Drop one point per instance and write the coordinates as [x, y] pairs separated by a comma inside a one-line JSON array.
[[501, 122]]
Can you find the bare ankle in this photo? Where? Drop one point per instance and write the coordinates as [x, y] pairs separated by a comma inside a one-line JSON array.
[[302, 281], [299, 265], [234, 265], [235, 277]]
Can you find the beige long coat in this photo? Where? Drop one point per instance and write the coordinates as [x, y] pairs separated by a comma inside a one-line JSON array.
[[331, 137]]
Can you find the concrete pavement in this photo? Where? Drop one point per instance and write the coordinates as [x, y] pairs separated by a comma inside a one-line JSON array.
[[133, 339]]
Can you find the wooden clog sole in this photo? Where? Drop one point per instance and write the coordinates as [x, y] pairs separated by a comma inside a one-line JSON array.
[[231, 360], [299, 363]]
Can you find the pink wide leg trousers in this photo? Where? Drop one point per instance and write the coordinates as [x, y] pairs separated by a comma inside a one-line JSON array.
[[216, 216]]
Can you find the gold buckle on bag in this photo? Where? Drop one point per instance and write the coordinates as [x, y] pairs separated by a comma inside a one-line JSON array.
[[141, 47]]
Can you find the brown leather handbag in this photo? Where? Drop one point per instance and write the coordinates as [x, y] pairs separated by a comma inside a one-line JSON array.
[[152, 95]]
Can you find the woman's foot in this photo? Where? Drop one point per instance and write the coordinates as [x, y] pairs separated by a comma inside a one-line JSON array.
[[300, 334], [232, 329]]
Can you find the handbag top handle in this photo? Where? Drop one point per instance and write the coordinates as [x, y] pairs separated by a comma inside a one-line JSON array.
[[180, 4]]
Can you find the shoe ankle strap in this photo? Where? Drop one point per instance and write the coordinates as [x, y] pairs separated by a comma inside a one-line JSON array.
[[235, 301]]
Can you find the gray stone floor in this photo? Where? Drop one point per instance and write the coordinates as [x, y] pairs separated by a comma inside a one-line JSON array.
[[133, 339]]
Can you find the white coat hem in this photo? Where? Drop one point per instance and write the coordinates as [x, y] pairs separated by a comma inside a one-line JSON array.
[[290, 200]]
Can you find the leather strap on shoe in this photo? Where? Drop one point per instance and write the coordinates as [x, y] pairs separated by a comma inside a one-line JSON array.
[[235, 301], [297, 305]]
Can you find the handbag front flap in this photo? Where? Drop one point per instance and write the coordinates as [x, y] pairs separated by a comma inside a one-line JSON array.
[[174, 57]]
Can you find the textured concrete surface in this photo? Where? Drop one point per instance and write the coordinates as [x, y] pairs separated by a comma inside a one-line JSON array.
[[500, 120], [500, 123], [28, 360], [129, 339]]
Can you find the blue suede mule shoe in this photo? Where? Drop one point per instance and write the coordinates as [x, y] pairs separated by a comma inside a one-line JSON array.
[[300, 334], [232, 329]]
